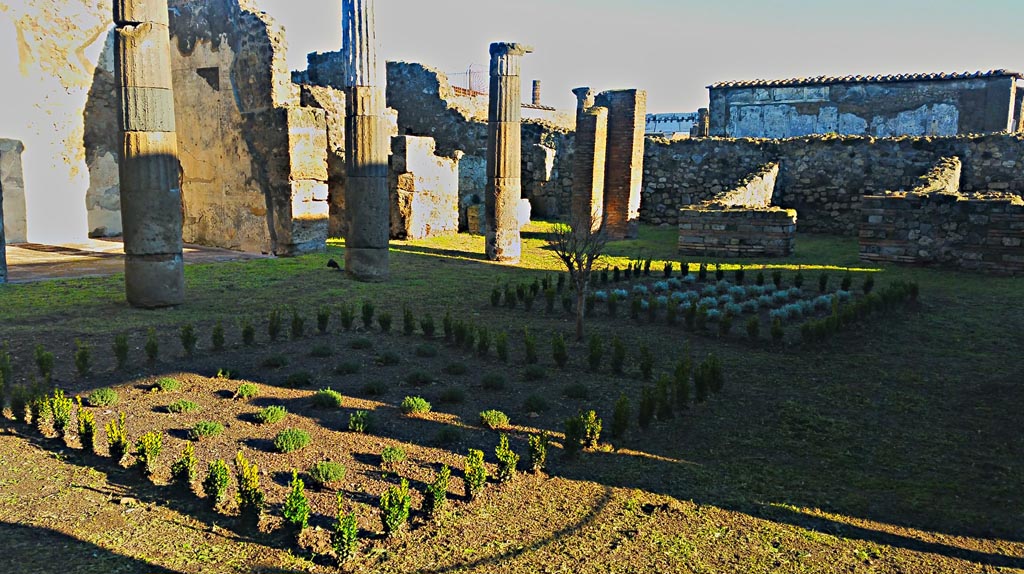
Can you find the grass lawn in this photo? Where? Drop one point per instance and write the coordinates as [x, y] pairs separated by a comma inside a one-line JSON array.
[[895, 446]]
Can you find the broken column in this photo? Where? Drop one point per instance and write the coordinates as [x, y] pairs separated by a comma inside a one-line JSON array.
[[589, 162], [366, 142], [504, 160], [701, 128], [624, 170], [151, 209]]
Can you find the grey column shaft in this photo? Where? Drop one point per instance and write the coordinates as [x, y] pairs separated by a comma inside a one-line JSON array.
[[367, 203], [151, 208], [3, 242], [504, 153]]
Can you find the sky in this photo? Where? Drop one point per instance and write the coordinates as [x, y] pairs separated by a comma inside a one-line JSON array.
[[675, 48]]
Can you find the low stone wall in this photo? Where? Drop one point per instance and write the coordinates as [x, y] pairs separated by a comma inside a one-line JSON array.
[[424, 190], [767, 232], [935, 224]]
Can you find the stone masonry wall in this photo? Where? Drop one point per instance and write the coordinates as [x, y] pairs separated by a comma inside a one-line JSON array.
[[935, 223], [424, 190], [427, 105], [822, 177]]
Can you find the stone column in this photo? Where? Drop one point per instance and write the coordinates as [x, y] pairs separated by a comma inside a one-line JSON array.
[[504, 159], [627, 121], [367, 203], [536, 93], [151, 208], [3, 241], [589, 162], [703, 125]]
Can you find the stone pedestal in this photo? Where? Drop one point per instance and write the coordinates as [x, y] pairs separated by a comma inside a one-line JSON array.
[[151, 209], [627, 120], [366, 144], [504, 159], [589, 162]]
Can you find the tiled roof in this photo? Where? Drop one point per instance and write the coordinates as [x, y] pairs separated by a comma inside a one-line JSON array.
[[821, 80]]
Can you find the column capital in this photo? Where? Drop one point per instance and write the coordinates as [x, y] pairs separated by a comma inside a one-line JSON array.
[[510, 49]]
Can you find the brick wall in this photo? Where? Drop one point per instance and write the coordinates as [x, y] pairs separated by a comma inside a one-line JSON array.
[[766, 232]]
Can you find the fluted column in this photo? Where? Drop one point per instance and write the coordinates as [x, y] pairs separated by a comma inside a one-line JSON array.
[[504, 159], [367, 203], [149, 170], [589, 162]]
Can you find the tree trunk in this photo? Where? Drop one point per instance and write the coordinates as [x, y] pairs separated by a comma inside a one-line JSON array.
[[581, 301]]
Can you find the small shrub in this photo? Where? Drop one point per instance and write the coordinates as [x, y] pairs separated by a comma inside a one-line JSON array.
[[452, 395], [359, 421], [447, 436], [152, 346], [591, 429], [44, 361], [508, 460], [573, 436], [347, 316], [205, 429], [648, 406], [681, 382], [419, 378], [496, 296], [725, 325], [777, 332], [86, 428], [274, 362], [494, 419], [83, 358], [321, 351], [427, 326], [759, 279], [272, 414], [185, 468], [777, 278], [559, 351], [456, 369], [408, 322], [274, 324], [291, 440], [753, 328], [620, 418], [299, 379], [475, 473], [501, 347], [60, 407], [345, 538], [384, 321], [846, 282], [577, 391], [117, 438], [390, 456], [367, 315], [483, 343], [248, 333], [147, 451], [120, 349], [530, 347], [437, 493], [823, 282], [618, 360], [182, 406], [535, 404], [534, 373], [389, 359], [348, 368], [426, 351], [448, 325], [251, 498], [394, 507], [595, 353], [215, 485], [296, 505], [325, 473], [662, 397], [375, 388], [361, 344], [646, 363], [494, 382], [868, 285], [168, 385], [414, 406], [538, 444], [189, 339], [323, 319], [246, 391], [701, 383], [328, 399], [217, 337]]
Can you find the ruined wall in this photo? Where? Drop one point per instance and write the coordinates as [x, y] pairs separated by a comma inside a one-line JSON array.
[[424, 190], [823, 178], [765, 232], [56, 65], [936, 223], [427, 105], [13, 217], [918, 105], [332, 102], [254, 164]]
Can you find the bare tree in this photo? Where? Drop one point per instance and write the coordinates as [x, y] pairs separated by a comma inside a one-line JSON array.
[[578, 247]]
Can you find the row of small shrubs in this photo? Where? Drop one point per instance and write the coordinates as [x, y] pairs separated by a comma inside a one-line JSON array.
[[844, 316]]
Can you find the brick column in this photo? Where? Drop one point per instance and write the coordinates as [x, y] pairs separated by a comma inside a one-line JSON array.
[[589, 162], [504, 160], [627, 120], [366, 143], [151, 208]]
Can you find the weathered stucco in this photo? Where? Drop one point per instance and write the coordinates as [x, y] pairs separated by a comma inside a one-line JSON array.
[[12, 188]]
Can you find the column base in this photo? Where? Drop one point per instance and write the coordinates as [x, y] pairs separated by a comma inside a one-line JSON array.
[[367, 265], [154, 281]]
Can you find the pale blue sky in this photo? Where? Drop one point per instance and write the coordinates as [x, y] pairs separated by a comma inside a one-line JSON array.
[[674, 48]]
